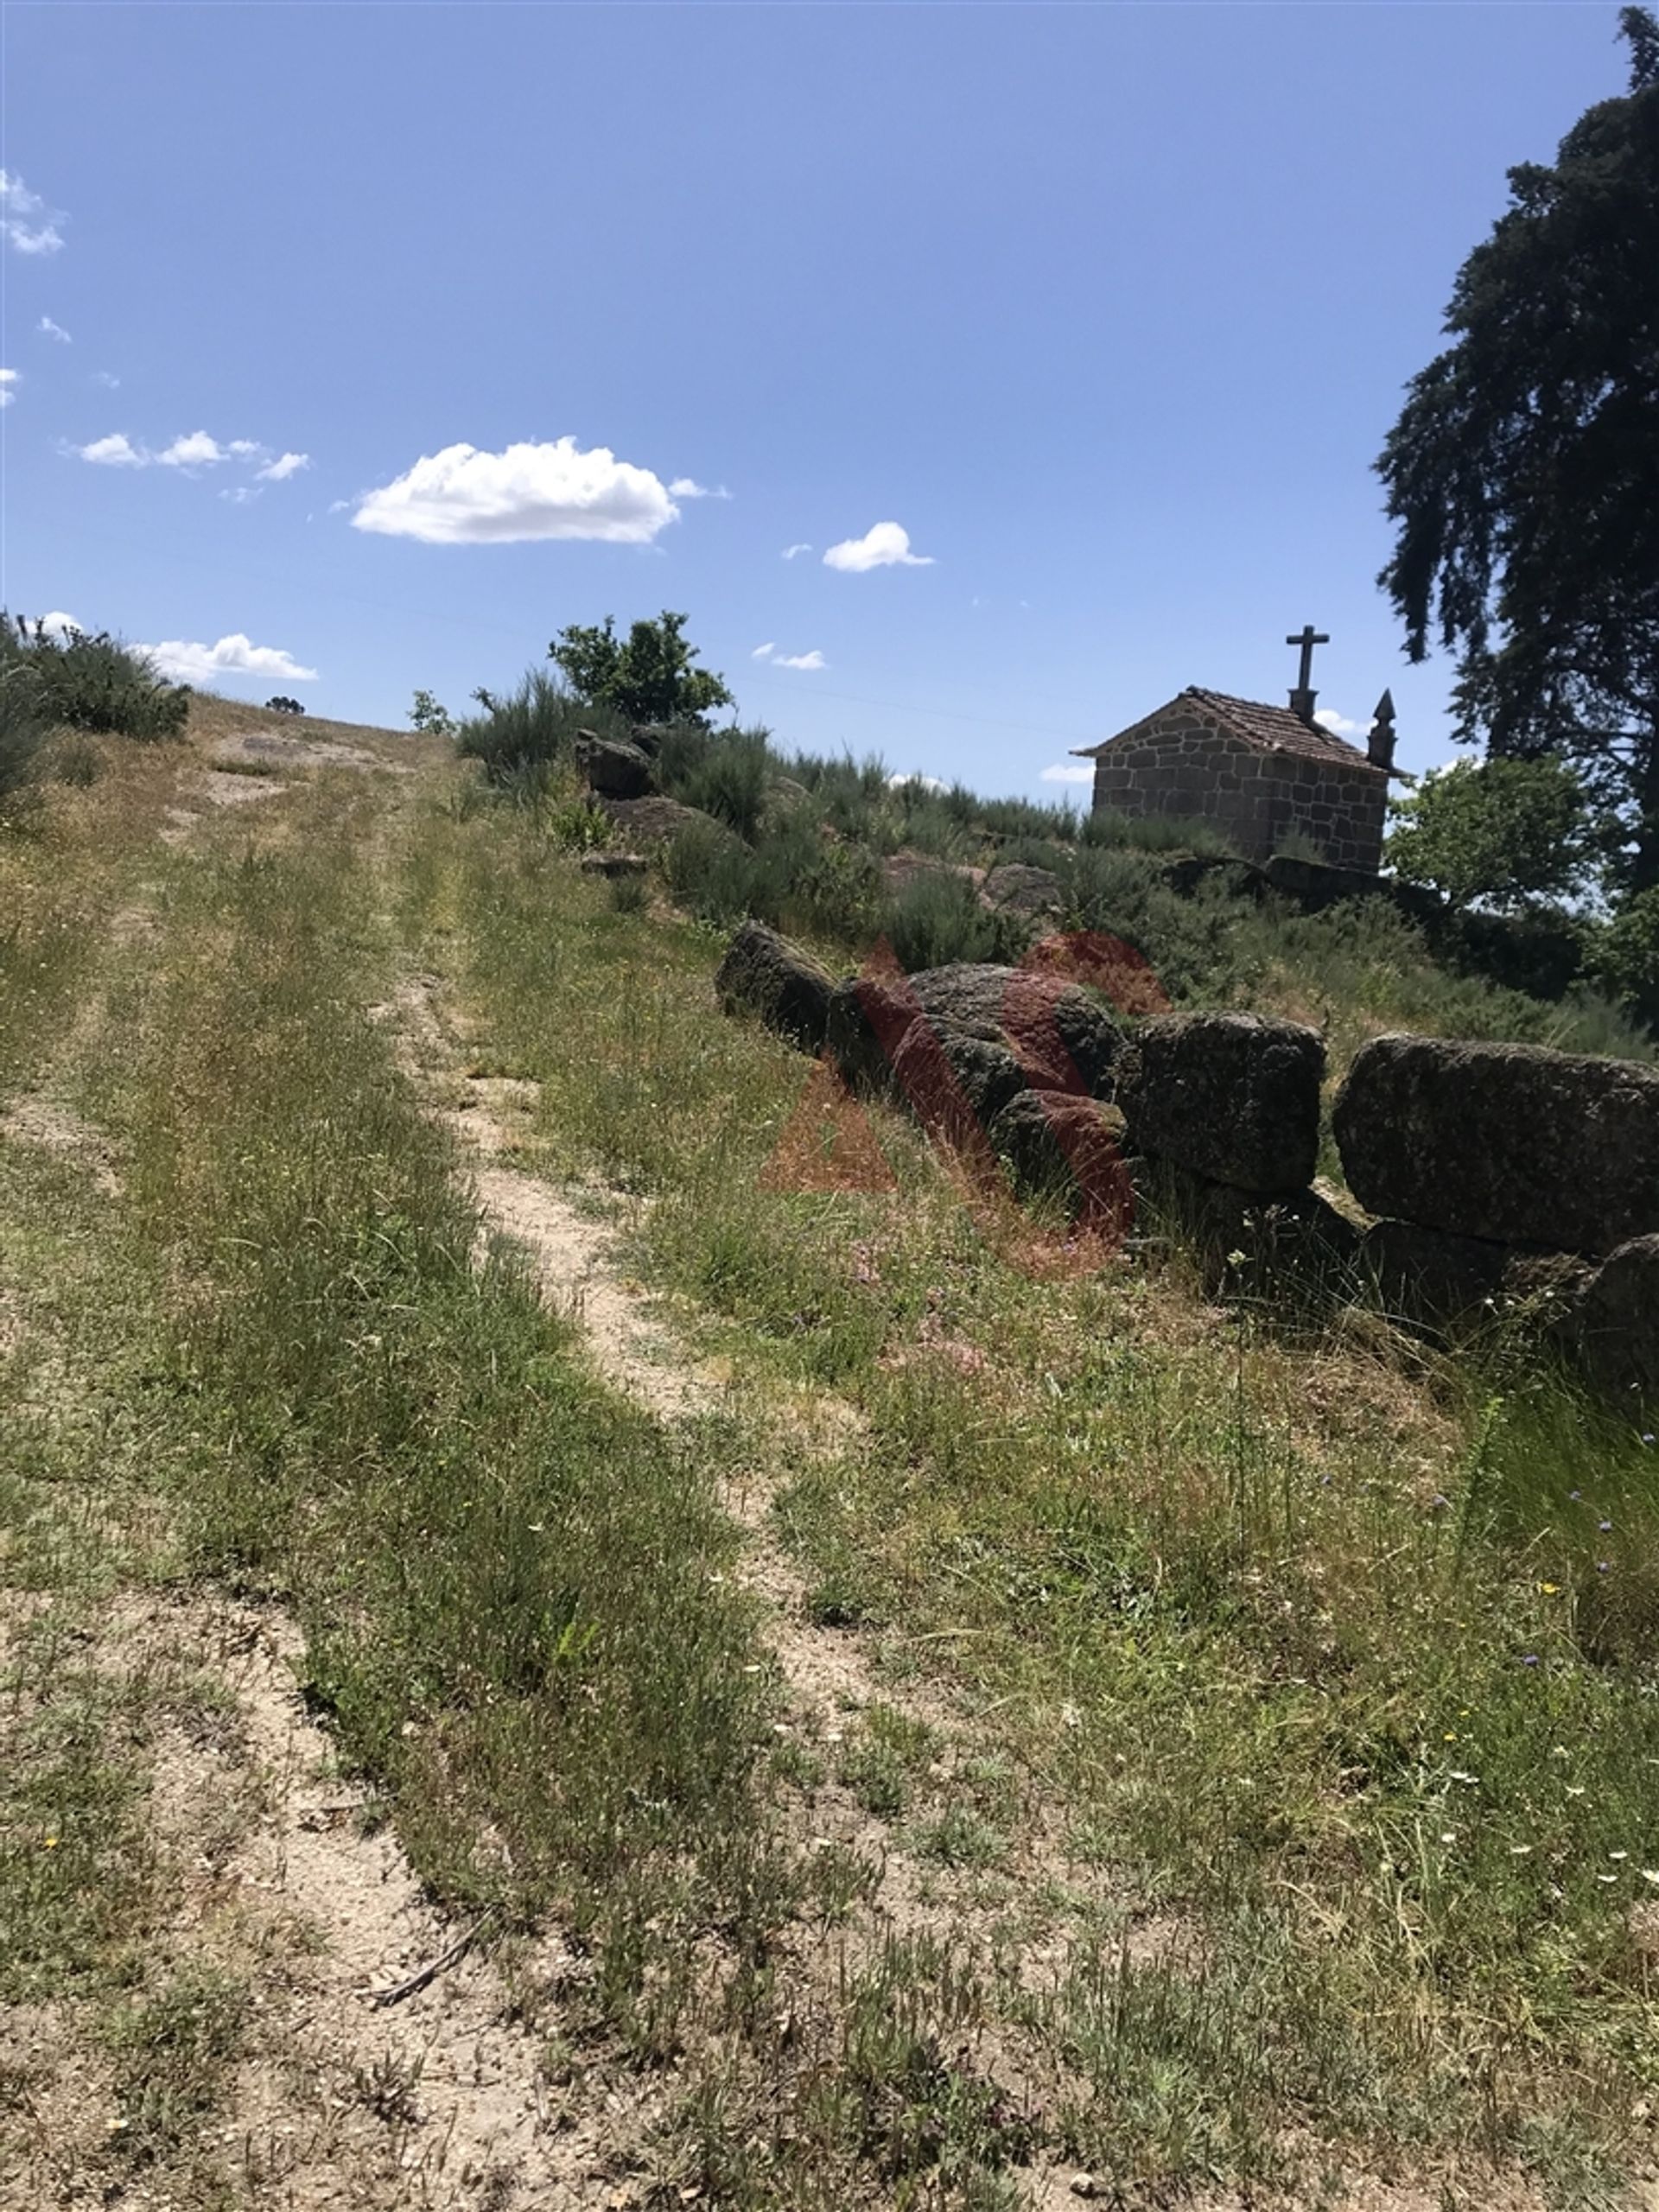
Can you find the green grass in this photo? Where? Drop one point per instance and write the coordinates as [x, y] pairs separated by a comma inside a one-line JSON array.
[[1314, 1650]]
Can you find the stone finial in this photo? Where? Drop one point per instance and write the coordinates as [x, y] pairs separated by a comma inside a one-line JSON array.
[[1380, 744]]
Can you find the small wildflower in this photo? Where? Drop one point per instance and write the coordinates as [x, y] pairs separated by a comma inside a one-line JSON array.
[[1651, 1874], [1520, 1851], [1603, 1526], [1607, 1878], [1439, 1501], [1448, 1835], [1450, 1737], [51, 1843], [1528, 1658], [1550, 1589], [1460, 1774], [1619, 1855], [1575, 1788], [1574, 1496], [1602, 1566]]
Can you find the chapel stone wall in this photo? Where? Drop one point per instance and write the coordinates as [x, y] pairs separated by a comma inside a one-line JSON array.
[[1184, 765]]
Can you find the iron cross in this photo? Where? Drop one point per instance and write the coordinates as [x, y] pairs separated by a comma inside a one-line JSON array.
[[1309, 638]]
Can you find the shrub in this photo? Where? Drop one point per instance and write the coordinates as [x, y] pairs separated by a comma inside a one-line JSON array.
[[1190, 942], [534, 725], [728, 778], [1626, 958], [22, 729], [93, 682], [938, 918], [284, 705], [1105, 827]]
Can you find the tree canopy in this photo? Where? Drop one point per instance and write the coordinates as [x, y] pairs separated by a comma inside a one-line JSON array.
[[1504, 832], [1523, 470], [648, 677]]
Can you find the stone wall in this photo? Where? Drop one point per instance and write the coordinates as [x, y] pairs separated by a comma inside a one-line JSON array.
[[1184, 764], [1501, 1180]]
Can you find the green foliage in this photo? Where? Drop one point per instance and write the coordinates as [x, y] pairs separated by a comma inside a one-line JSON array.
[[22, 729], [1626, 958], [92, 682], [1522, 470], [1154, 833], [728, 777], [428, 715], [646, 677], [938, 918], [534, 725], [1190, 941], [1505, 831]]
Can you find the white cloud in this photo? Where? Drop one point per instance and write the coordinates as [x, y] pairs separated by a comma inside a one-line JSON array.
[[464, 497], [927, 783], [244, 449], [240, 494], [764, 652], [814, 659], [1340, 723], [286, 465], [109, 383], [337, 507], [60, 625], [687, 487], [885, 545], [1068, 772], [790, 551], [236, 655], [197, 450], [117, 451], [25, 219], [47, 329], [8, 377]]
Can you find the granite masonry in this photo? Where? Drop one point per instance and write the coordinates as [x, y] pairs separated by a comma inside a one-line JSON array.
[[1256, 774]]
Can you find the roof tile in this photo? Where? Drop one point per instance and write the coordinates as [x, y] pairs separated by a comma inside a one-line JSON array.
[[1267, 729]]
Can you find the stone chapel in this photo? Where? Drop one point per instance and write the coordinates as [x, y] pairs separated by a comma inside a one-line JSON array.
[[1255, 772]]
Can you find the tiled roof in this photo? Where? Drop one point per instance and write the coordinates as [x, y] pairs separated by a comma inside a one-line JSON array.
[[1269, 729]]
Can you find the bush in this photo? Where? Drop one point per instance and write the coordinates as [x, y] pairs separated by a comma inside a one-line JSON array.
[[938, 918], [1192, 942], [1106, 828], [93, 682], [425, 714], [1626, 958], [284, 705], [22, 729], [646, 677], [729, 777], [534, 726]]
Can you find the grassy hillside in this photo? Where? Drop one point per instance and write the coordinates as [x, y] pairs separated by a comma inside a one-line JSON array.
[[968, 1726]]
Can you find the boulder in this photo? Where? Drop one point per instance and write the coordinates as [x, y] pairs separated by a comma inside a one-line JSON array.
[[1613, 1325], [1018, 889], [1293, 1248], [1429, 1279], [1232, 1097], [763, 973], [612, 866], [1055, 1142], [613, 769], [656, 821], [1065, 1040], [1510, 1142], [955, 1085]]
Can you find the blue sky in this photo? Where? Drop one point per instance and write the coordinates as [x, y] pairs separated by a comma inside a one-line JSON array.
[[1106, 309]]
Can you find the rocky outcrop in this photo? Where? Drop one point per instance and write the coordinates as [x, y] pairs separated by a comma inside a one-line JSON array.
[[764, 974], [954, 1084], [613, 769], [1061, 1038], [1017, 889], [1612, 1326], [1510, 1143], [656, 821], [1055, 1142], [613, 866], [1231, 1097]]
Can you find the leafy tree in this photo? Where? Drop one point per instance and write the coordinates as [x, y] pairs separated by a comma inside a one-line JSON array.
[[1626, 961], [1523, 470], [431, 718], [1506, 832], [647, 677]]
